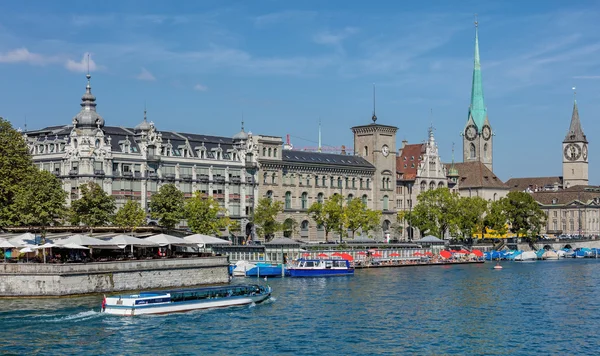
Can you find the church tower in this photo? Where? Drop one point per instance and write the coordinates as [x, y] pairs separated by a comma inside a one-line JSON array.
[[575, 153], [478, 134]]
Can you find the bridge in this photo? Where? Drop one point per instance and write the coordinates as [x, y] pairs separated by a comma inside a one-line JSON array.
[[557, 244]]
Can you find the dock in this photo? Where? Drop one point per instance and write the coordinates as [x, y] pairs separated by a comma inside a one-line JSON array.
[[419, 264]]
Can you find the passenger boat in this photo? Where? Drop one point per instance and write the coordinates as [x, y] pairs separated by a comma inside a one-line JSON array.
[[320, 268], [185, 300]]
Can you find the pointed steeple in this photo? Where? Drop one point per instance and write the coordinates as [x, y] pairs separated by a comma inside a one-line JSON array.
[[88, 117], [575, 133], [477, 109]]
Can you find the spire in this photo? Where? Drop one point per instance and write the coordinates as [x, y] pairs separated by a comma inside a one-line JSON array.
[[575, 133], [452, 172], [374, 118], [144, 125], [242, 135], [477, 109], [319, 134], [88, 117]]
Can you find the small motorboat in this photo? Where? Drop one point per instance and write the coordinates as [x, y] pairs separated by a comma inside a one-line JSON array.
[[263, 269], [241, 267], [498, 266], [321, 268], [185, 300]]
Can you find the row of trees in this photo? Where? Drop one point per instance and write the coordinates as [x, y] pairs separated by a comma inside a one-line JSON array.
[[440, 212]]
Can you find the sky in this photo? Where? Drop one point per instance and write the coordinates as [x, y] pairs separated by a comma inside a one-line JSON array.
[[282, 66]]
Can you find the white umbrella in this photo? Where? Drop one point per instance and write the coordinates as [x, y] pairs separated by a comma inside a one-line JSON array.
[[125, 240], [84, 240], [23, 239], [4, 245], [206, 240], [74, 247], [26, 250], [164, 240], [44, 247]]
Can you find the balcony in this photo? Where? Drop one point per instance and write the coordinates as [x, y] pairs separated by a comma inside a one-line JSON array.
[[203, 178], [128, 174], [186, 176], [98, 172], [219, 179], [153, 157], [236, 179], [73, 172], [170, 176], [152, 175], [56, 173]]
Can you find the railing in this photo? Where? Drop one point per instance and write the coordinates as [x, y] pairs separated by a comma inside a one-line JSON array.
[[99, 172]]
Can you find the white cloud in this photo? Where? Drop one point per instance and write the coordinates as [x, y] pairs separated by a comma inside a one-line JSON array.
[[276, 17], [334, 38], [22, 55], [200, 87], [82, 66], [145, 75]]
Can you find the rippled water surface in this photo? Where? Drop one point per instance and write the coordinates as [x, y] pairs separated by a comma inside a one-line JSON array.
[[536, 308]]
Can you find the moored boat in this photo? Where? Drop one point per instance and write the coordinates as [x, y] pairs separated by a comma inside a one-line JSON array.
[[263, 269], [163, 302], [320, 268]]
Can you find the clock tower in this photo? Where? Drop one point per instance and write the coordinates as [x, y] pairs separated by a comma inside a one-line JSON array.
[[477, 134], [575, 153]]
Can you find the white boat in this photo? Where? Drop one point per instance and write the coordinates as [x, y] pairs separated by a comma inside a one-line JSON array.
[[550, 255], [185, 300], [241, 267], [526, 256]]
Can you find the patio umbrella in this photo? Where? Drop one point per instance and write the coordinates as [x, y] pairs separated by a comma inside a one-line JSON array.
[[394, 254], [347, 257], [361, 253], [4, 245], [339, 254], [44, 247], [377, 254], [74, 247], [428, 253], [464, 252], [322, 255], [418, 254], [306, 254], [445, 254], [477, 253]]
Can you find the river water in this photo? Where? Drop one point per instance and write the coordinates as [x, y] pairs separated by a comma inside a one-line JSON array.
[[538, 308]]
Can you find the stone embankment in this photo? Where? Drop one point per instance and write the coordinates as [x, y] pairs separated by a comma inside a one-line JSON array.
[[40, 280]]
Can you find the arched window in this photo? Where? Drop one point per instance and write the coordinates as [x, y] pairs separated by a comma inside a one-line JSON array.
[[307, 180], [353, 182], [265, 178], [339, 182], [431, 185], [274, 152], [320, 227], [270, 194], [350, 197], [323, 180], [288, 200], [75, 143], [472, 150], [304, 225], [366, 151], [361, 183], [273, 176], [423, 185], [441, 185], [304, 200], [386, 225], [365, 199], [264, 151], [288, 227], [386, 202], [495, 196], [320, 198], [485, 151], [269, 151]]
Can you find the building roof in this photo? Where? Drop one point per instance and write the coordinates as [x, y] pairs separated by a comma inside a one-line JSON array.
[[88, 117], [534, 183], [408, 160], [575, 133], [329, 159], [586, 194], [476, 175]]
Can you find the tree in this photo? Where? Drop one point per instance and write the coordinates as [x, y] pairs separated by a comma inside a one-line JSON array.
[[130, 216], [471, 214], [15, 166], [497, 217], [39, 201], [167, 206], [234, 226], [290, 227], [205, 216], [524, 214], [358, 216], [94, 208], [265, 217], [329, 215], [436, 212]]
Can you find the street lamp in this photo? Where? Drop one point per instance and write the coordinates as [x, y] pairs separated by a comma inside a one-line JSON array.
[[341, 210], [410, 230]]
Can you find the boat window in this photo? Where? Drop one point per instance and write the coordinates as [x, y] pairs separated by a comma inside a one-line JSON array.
[[309, 264]]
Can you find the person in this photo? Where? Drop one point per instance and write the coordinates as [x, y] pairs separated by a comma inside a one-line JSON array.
[[104, 303]]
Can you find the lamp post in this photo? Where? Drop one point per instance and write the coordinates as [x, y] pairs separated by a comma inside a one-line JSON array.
[[410, 230], [341, 211]]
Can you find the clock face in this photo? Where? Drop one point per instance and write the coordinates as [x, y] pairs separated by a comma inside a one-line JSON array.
[[471, 132], [572, 152], [585, 152], [486, 132], [385, 150]]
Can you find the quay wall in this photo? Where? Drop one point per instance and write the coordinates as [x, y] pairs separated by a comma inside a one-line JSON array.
[[557, 245], [40, 280]]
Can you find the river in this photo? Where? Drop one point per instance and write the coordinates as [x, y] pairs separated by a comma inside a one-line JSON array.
[[537, 308]]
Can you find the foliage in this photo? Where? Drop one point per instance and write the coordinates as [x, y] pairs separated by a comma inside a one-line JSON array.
[[357, 216], [471, 213], [524, 214], [497, 217], [40, 200], [94, 208], [436, 212], [265, 217], [167, 206], [15, 166], [290, 227], [205, 216], [329, 215], [130, 216], [234, 226]]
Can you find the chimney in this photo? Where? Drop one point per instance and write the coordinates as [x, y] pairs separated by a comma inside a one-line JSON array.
[[404, 143], [343, 149]]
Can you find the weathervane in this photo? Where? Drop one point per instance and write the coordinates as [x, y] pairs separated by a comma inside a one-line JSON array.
[[574, 93], [476, 22]]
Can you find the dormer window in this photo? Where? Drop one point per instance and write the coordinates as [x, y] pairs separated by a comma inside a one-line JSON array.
[[554, 201]]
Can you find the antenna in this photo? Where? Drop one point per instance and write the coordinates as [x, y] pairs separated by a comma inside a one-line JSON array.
[[319, 134], [242, 120], [374, 118], [25, 123], [144, 110], [574, 94], [88, 63]]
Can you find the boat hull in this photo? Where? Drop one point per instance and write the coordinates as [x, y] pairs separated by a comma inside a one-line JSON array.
[[299, 272], [265, 271]]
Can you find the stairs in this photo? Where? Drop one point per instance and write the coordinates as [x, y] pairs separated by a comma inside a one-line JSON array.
[[500, 245]]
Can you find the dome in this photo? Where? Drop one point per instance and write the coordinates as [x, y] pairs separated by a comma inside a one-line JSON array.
[[144, 125], [453, 172], [88, 117], [240, 136]]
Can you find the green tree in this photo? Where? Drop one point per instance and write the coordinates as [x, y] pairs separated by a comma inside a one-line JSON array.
[[205, 216], [471, 214], [94, 208], [436, 212], [234, 226], [358, 216], [167, 205], [497, 217], [15, 166], [329, 215], [40, 201], [265, 217], [524, 214], [130, 216]]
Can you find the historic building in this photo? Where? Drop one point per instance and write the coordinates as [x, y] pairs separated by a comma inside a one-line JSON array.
[[575, 153], [418, 168], [133, 163], [478, 134]]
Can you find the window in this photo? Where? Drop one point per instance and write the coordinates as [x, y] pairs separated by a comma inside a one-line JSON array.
[[269, 151], [386, 202], [423, 186], [471, 150], [368, 183], [304, 201], [485, 150], [366, 151], [320, 198], [323, 180], [274, 152], [441, 185], [265, 178], [270, 194], [304, 225], [288, 200], [307, 180], [264, 151], [353, 182], [431, 186], [554, 213], [273, 177], [365, 199], [350, 197], [339, 182], [347, 180], [361, 183]]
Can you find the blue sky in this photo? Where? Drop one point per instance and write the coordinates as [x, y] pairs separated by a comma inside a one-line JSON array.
[[200, 66]]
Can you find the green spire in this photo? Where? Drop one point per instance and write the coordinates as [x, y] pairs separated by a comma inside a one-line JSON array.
[[477, 109]]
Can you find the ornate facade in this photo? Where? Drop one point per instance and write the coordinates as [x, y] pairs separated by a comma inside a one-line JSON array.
[[575, 153], [133, 163]]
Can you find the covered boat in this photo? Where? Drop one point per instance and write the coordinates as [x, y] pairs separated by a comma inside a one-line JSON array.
[[527, 256], [550, 255], [320, 268], [185, 300], [263, 269], [241, 267]]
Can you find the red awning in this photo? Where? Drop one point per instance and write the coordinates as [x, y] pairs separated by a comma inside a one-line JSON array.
[[394, 254], [322, 255], [347, 257], [446, 254], [477, 253]]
